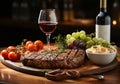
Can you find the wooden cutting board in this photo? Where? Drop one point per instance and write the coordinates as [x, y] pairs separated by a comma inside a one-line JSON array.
[[86, 67]]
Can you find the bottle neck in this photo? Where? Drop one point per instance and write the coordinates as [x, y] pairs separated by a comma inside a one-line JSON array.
[[103, 9], [103, 5]]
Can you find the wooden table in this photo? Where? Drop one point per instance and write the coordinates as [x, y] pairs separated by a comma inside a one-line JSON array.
[[15, 77]]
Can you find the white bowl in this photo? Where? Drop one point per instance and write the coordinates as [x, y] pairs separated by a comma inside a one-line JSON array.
[[101, 58]]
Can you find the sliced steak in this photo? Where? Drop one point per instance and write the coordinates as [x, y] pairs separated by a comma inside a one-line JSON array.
[[68, 59]]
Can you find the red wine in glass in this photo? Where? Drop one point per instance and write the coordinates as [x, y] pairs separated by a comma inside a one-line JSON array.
[[47, 22], [47, 27]]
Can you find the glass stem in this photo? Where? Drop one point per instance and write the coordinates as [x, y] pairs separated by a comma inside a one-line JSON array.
[[48, 41]]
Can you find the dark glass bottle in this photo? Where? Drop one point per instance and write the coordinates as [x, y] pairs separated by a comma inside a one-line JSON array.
[[66, 11], [116, 13], [24, 10], [103, 22], [16, 9]]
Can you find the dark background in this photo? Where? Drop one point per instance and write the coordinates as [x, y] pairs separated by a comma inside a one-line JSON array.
[[20, 22]]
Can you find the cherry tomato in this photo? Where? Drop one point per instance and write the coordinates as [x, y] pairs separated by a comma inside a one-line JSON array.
[[11, 48], [18, 56], [32, 47], [12, 56], [39, 44], [4, 54], [27, 43]]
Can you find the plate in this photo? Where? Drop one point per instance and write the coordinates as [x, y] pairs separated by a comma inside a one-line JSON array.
[[18, 66], [87, 68]]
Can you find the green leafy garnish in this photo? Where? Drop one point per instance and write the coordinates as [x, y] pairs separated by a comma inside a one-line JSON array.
[[23, 42], [61, 43]]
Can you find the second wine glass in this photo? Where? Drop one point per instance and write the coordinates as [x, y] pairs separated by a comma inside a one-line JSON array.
[[47, 21]]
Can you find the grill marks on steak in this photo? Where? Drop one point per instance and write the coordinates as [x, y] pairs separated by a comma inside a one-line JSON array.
[[63, 55], [44, 60], [60, 60]]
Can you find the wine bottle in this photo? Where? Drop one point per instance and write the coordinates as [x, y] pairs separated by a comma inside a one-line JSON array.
[[24, 10], [116, 13], [16, 9], [66, 11], [103, 22]]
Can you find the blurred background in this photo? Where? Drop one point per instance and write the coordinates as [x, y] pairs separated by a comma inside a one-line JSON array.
[[18, 18]]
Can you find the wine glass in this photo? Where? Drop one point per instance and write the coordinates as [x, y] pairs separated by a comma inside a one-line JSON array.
[[47, 21]]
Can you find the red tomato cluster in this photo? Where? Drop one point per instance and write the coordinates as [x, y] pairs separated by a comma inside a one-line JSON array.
[[14, 53], [34, 46], [10, 53]]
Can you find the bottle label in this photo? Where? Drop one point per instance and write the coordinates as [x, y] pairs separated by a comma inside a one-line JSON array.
[[103, 31]]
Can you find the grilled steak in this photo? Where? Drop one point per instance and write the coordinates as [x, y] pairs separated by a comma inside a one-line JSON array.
[[44, 60]]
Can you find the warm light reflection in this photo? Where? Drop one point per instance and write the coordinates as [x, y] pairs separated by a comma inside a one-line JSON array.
[[2, 75], [114, 22]]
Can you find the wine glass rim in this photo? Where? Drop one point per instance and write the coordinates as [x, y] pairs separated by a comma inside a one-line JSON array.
[[48, 9]]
